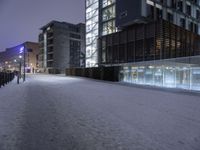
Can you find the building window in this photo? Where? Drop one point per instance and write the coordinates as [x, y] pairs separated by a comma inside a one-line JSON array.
[[103, 46], [50, 57], [191, 26], [173, 3], [150, 11], [50, 42], [182, 22], [107, 3], [75, 36], [49, 34], [109, 27], [198, 14], [170, 17], [188, 9], [158, 13], [180, 6], [196, 28], [108, 13]]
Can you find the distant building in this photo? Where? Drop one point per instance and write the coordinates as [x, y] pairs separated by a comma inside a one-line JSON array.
[[62, 45], [11, 57]]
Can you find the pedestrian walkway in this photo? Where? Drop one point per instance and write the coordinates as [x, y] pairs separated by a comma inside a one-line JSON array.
[[50, 112]]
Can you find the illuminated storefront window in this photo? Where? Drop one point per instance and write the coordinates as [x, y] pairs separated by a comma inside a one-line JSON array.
[[183, 73]]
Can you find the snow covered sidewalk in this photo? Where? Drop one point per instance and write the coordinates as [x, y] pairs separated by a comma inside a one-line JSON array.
[[64, 113]]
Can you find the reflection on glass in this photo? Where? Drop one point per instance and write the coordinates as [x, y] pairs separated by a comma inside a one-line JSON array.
[[172, 73], [149, 75], [158, 76], [183, 78], [195, 78], [169, 77]]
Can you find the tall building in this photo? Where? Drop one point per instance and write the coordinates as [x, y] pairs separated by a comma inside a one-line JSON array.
[[100, 20], [104, 17], [11, 57], [155, 42], [184, 13], [62, 45]]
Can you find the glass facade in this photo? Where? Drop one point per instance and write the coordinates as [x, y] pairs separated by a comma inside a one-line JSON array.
[[108, 17], [92, 32], [186, 14], [108, 27], [145, 42], [183, 73], [100, 20], [107, 3]]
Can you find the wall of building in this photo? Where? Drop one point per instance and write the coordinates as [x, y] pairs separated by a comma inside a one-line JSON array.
[[103, 16], [32, 56], [61, 47], [152, 41], [56, 50], [9, 59], [127, 12], [83, 46], [175, 12]]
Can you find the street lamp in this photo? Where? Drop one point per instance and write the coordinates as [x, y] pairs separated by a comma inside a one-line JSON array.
[[20, 65], [22, 50], [20, 68]]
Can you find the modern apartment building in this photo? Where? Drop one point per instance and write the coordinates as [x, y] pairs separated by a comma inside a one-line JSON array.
[[155, 42], [11, 57], [62, 45], [104, 17]]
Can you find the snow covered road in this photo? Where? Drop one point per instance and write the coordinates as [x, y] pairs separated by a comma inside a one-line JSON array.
[[64, 113]]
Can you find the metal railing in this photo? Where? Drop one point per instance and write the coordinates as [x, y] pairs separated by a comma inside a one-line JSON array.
[[6, 77]]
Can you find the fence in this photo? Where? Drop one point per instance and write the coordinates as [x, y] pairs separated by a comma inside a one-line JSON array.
[[5, 78], [100, 73]]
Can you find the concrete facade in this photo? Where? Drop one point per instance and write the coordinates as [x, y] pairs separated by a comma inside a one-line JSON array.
[[62, 45]]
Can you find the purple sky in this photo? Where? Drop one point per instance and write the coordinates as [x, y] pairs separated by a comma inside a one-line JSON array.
[[20, 20]]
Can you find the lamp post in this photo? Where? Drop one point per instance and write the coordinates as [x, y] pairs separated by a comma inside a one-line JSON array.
[[20, 68], [22, 50], [24, 79]]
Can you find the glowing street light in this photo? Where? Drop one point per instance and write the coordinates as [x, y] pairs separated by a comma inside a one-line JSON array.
[[20, 68], [22, 50]]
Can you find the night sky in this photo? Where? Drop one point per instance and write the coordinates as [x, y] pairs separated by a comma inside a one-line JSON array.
[[20, 20]]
